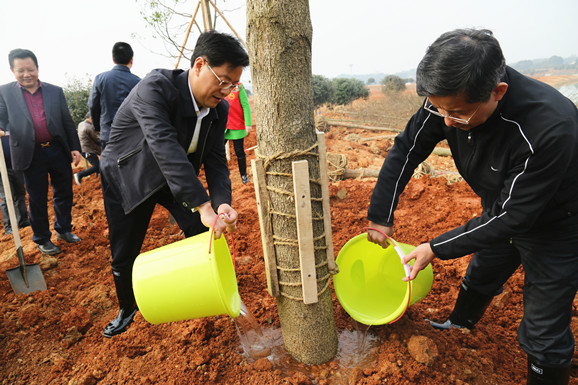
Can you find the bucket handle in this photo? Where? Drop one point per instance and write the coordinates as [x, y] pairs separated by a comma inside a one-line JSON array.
[[405, 266], [232, 241]]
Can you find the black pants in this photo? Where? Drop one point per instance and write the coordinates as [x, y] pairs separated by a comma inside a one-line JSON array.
[[49, 161], [94, 162], [18, 197], [127, 231], [550, 283], [239, 146]]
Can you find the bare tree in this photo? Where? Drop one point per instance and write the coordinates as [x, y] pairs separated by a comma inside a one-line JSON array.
[[279, 37]]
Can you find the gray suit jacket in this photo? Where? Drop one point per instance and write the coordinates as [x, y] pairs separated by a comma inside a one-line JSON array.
[[14, 113], [150, 135]]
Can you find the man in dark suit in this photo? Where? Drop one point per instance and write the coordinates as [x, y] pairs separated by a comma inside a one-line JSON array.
[[110, 88], [43, 142], [172, 123]]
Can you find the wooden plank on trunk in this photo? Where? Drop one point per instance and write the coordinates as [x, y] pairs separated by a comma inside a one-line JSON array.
[[324, 180], [304, 216], [262, 199]]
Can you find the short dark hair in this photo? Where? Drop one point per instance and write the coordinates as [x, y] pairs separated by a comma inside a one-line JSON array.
[[20, 53], [122, 53], [220, 48], [467, 61]]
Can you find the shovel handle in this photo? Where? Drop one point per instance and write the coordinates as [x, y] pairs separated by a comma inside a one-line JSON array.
[[9, 200]]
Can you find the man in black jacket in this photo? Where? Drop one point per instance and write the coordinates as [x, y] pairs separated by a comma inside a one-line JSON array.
[[515, 142], [172, 123]]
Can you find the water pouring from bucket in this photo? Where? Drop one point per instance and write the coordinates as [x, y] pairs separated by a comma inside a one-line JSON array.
[[191, 278], [369, 284]]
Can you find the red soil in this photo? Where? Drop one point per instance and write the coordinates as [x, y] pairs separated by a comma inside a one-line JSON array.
[[55, 336]]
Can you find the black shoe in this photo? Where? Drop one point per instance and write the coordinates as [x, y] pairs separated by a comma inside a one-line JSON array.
[[245, 179], [120, 323], [49, 248], [7, 230], [24, 224], [68, 237]]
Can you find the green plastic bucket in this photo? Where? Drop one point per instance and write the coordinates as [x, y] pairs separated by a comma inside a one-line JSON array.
[[369, 284], [186, 280]]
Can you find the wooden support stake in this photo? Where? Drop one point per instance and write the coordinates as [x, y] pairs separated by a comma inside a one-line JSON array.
[[324, 180], [266, 231], [302, 192]]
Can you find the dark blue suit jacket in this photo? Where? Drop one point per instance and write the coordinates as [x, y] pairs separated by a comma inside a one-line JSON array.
[[14, 112], [109, 90], [150, 135]]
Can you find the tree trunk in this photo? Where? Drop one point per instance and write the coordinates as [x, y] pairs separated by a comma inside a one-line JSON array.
[[279, 37]]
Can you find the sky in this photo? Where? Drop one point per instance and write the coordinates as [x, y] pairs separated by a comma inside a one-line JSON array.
[[73, 38]]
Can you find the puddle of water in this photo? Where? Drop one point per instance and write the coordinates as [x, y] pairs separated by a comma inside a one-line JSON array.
[[357, 349]]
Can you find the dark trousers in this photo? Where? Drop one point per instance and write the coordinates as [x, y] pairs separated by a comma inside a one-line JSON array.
[[49, 161], [127, 231], [550, 284], [94, 162], [19, 198], [239, 146]]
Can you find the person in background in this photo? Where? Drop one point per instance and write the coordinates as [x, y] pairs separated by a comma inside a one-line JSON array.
[[43, 143], [238, 126], [16, 180], [515, 142], [91, 149], [170, 125], [110, 88]]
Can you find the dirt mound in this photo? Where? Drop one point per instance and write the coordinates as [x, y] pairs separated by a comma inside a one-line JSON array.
[[55, 336]]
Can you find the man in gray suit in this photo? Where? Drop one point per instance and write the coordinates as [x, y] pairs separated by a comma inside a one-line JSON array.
[[43, 143]]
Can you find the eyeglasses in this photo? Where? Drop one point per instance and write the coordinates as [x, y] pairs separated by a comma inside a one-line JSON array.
[[225, 85], [459, 120]]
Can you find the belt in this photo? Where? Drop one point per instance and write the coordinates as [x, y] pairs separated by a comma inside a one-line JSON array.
[[46, 144]]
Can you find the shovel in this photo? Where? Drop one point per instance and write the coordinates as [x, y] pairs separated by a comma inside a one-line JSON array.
[[24, 278]]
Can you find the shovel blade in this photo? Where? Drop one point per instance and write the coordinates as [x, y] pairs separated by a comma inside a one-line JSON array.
[[33, 281]]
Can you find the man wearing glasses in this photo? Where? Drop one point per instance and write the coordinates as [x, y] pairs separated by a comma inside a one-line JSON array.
[[515, 142], [171, 124]]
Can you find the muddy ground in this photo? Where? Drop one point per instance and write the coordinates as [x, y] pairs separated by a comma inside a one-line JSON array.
[[55, 336]]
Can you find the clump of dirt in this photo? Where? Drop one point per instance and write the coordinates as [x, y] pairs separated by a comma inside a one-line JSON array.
[[55, 336]]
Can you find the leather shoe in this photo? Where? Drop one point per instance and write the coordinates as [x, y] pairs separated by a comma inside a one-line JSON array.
[[49, 248], [68, 237], [7, 230], [120, 323], [24, 224]]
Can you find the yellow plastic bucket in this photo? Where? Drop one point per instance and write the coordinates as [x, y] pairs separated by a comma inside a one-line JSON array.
[[369, 284], [184, 280]]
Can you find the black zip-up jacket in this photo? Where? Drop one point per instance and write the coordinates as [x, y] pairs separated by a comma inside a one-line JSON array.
[[522, 162]]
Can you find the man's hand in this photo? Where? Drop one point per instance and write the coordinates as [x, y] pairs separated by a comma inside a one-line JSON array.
[[423, 256], [227, 218], [2, 133], [377, 237], [76, 157], [248, 128]]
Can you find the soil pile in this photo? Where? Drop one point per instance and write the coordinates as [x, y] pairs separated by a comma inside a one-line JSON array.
[[55, 336]]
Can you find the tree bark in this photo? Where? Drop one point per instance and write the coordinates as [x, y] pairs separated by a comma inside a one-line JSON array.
[[279, 35]]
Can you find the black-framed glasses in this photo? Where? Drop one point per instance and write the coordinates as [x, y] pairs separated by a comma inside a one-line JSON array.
[[225, 85], [430, 107]]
